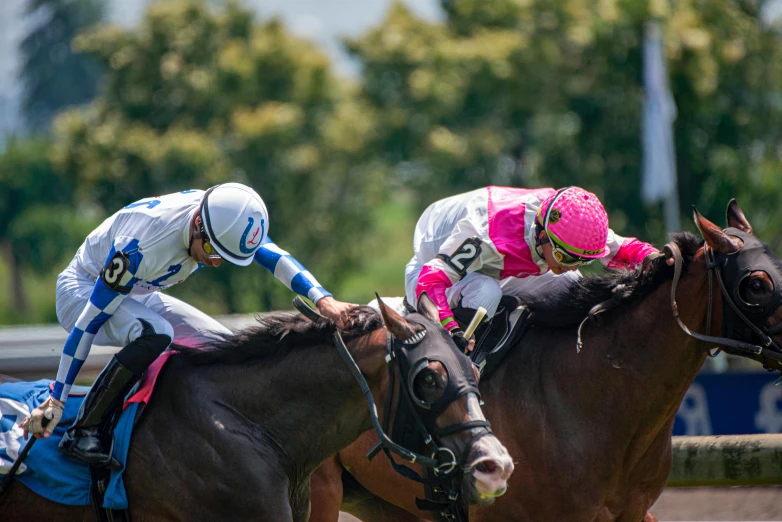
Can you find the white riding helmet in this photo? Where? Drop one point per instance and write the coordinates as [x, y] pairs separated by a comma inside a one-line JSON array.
[[236, 221]]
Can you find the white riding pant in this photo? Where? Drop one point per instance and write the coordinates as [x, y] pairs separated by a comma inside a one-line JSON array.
[[476, 289], [168, 315]]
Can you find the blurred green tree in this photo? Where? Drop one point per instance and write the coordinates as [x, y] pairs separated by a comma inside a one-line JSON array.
[[39, 221], [533, 92], [54, 76], [199, 95]]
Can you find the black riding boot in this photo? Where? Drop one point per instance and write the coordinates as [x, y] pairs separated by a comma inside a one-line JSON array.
[[91, 437], [98, 417]]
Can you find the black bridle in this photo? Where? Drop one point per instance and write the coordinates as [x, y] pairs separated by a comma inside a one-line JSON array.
[[416, 444], [735, 321], [442, 483], [740, 319]]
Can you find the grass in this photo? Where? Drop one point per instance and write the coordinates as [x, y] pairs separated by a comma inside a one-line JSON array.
[[40, 293], [389, 251]]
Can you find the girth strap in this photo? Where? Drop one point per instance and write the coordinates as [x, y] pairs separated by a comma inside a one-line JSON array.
[[99, 478]]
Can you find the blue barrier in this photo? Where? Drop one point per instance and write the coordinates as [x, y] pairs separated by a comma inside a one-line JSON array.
[[731, 403]]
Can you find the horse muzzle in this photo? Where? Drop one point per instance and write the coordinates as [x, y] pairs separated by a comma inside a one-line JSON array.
[[487, 471]]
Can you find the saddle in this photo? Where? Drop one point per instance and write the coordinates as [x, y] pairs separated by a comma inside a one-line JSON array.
[[495, 337]]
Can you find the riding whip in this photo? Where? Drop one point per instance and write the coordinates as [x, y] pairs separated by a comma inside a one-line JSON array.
[[480, 313], [18, 462]]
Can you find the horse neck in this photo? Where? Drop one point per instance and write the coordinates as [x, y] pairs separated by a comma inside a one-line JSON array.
[[307, 404], [630, 376], [645, 356]]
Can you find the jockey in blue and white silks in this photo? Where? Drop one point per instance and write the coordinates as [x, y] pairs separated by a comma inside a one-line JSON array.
[[110, 294]]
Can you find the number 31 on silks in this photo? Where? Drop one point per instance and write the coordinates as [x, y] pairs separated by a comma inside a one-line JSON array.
[[464, 256]]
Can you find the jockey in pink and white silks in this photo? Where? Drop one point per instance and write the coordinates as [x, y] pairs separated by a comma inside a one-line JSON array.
[[473, 248], [110, 294]]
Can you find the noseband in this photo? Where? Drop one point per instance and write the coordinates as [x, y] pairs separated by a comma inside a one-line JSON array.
[[407, 358]]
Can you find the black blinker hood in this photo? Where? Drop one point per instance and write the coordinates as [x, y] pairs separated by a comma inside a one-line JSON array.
[[754, 256], [415, 358]]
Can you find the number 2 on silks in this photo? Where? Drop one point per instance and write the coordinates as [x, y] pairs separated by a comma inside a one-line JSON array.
[[464, 256]]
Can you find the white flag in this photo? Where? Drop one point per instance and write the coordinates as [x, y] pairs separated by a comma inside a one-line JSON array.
[[659, 163]]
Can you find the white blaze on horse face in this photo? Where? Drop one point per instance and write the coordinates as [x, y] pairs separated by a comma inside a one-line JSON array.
[[491, 466], [474, 411]]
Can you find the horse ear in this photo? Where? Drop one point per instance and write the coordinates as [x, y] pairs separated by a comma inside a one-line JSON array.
[[736, 218], [718, 240], [427, 308], [395, 323]]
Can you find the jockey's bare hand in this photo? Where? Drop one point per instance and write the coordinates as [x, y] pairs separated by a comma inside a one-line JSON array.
[[335, 310], [51, 410]]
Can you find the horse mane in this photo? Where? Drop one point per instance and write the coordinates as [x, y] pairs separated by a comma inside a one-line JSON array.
[[277, 335], [570, 306]]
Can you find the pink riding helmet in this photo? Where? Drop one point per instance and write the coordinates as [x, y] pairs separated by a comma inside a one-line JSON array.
[[577, 223]]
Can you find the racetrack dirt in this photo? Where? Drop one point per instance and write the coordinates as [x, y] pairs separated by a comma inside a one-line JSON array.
[[709, 504], [736, 504]]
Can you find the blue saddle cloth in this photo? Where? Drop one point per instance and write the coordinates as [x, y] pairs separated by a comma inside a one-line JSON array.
[[45, 470]]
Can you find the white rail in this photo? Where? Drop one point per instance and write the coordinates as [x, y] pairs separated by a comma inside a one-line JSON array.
[[33, 352]]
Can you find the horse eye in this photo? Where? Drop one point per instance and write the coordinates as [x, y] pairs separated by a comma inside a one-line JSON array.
[[754, 290], [428, 380]]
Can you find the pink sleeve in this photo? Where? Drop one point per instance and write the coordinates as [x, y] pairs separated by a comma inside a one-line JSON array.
[[630, 254], [435, 281]]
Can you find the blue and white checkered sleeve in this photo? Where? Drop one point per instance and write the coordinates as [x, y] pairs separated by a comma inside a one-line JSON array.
[[285, 268], [102, 304]]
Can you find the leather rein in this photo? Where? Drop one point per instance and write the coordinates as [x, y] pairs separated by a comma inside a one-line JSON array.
[[446, 473], [759, 352]]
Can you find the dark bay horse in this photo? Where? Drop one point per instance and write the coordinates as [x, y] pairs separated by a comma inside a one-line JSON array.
[[236, 427], [590, 432]]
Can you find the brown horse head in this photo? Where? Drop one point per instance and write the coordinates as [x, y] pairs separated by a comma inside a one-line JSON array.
[[591, 430], [441, 389], [750, 276]]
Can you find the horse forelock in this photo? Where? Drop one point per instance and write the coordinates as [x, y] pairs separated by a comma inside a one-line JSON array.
[[569, 307], [276, 336]]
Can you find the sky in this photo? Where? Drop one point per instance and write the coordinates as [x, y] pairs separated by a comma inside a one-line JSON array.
[[323, 21]]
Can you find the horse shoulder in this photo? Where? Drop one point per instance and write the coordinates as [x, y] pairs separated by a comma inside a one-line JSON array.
[[649, 473], [189, 452], [532, 404]]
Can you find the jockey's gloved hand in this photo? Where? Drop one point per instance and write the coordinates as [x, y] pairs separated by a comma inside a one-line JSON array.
[[458, 337], [51, 410]]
